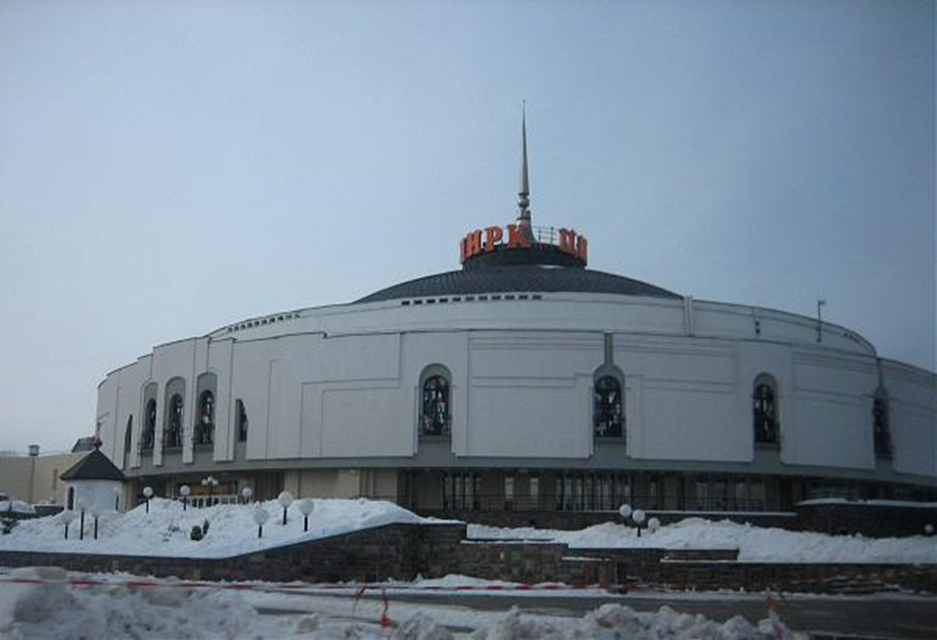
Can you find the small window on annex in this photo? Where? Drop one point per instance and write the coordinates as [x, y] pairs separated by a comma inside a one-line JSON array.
[[608, 414], [765, 410], [436, 410], [881, 433], [241, 420]]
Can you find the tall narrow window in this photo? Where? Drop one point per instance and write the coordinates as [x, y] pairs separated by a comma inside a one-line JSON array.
[[881, 434], [149, 427], [241, 421], [435, 416], [128, 435], [607, 414], [205, 428], [174, 435], [765, 410]]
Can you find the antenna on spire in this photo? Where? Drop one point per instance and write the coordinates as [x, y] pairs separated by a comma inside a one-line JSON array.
[[523, 200]]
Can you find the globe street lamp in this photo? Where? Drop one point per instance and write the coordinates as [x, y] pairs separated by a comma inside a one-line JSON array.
[[285, 499], [306, 507], [260, 516], [68, 517], [147, 494], [246, 493], [117, 491], [625, 511], [96, 513], [638, 516], [184, 491], [210, 483], [653, 524]]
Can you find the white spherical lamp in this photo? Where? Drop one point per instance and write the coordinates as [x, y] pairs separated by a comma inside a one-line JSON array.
[[260, 516], [285, 499]]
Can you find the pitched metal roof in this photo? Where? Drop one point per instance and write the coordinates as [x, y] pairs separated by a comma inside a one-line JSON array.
[[94, 466], [518, 278]]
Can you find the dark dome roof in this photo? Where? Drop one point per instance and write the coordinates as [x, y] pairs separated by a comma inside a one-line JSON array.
[[518, 278]]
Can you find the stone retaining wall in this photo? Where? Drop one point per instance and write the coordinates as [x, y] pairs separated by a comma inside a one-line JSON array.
[[403, 551]]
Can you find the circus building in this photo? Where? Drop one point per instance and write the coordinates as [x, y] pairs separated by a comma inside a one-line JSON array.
[[524, 382]]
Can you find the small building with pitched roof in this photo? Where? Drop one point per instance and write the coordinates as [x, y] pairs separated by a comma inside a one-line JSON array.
[[94, 482]]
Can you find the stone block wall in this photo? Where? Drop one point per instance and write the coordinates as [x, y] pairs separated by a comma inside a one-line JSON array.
[[877, 521]]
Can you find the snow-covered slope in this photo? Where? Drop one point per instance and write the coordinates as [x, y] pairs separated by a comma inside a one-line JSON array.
[[755, 544], [164, 531]]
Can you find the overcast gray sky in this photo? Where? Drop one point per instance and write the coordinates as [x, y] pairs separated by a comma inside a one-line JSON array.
[[168, 168]]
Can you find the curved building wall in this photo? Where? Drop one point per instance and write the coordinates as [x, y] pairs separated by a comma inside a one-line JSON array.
[[341, 387]]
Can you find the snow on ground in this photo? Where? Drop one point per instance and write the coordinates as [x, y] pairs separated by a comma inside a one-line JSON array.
[[54, 611], [165, 530], [15, 506], [755, 544]]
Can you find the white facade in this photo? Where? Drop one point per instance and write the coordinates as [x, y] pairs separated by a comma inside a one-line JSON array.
[[339, 387]]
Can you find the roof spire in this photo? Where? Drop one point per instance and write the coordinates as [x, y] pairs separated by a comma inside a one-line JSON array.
[[523, 200]]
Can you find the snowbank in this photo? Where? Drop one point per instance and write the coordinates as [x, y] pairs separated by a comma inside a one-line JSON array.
[[16, 506], [56, 612], [164, 531], [755, 544]]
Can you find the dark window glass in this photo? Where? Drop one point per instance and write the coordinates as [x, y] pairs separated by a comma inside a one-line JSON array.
[[205, 428], [128, 434], [765, 414], [241, 421], [881, 433], [436, 417], [607, 414], [174, 435], [149, 431]]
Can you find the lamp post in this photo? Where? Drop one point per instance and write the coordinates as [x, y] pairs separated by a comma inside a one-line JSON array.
[[653, 524], [68, 517], [638, 516], [210, 483], [260, 516], [117, 491], [306, 507], [285, 499], [246, 493], [184, 491], [81, 523], [147, 494], [96, 514]]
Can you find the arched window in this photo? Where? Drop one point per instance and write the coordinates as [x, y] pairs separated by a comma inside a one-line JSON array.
[[765, 410], [607, 408], [241, 421], [174, 434], [436, 414], [149, 430], [205, 427], [881, 433], [128, 435]]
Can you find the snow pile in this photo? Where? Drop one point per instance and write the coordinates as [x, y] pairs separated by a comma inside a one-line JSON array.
[[166, 529], [755, 544], [618, 621], [55, 612], [16, 506], [52, 611]]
